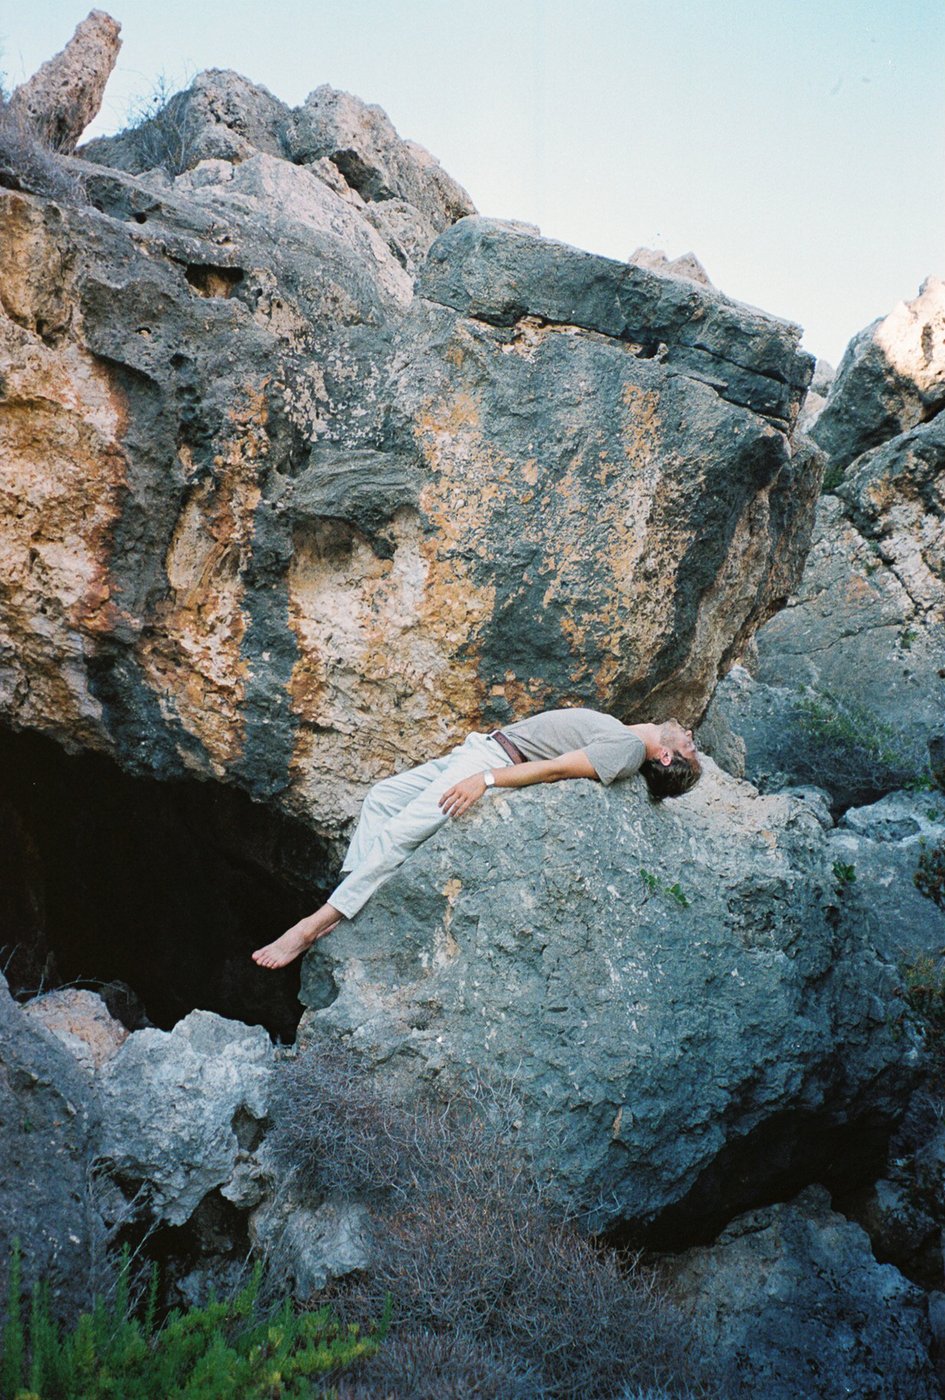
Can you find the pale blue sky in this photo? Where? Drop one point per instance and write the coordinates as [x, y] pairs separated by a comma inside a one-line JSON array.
[[796, 146]]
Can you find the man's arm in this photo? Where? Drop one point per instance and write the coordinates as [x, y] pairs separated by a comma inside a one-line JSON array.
[[461, 796]]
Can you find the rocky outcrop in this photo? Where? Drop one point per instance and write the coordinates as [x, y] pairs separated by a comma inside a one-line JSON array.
[[666, 988], [880, 847], [891, 378], [792, 1303], [396, 185], [865, 630], [65, 94], [46, 1126], [275, 517], [221, 116], [686, 265], [81, 1022], [180, 1112]]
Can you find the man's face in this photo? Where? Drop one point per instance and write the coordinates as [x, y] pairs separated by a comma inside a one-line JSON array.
[[680, 740]]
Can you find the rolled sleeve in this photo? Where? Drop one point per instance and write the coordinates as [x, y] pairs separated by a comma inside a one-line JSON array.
[[616, 758]]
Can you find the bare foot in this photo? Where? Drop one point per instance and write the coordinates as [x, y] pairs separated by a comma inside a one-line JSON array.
[[296, 939]]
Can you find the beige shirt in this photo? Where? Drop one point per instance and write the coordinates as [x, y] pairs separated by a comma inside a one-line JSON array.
[[613, 749]]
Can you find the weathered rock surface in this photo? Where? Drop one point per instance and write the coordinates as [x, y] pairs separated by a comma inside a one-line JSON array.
[[866, 626], [824, 375], [272, 518], [46, 1116], [793, 1304], [891, 378], [868, 621], [81, 1022], [181, 1109], [308, 1247], [665, 986], [500, 273], [882, 844], [221, 116], [686, 265], [65, 94]]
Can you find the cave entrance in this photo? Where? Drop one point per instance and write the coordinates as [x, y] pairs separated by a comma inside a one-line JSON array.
[[165, 887]]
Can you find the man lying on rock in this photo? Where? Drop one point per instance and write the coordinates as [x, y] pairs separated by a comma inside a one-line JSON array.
[[400, 812]]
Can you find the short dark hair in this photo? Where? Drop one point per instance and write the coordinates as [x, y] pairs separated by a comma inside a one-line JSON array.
[[671, 779]]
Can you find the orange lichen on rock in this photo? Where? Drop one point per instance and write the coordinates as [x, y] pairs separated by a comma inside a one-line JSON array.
[[62, 476], [191, 654]]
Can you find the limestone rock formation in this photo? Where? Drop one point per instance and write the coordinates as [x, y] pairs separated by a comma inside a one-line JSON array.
[[866, 625], [221, 116], [46, 1125], [273, 515], [891, 378], [793, 1303], [665, 986], [65, 94], [81, 1021], [881, 845], [686, 265], [180, 1110]]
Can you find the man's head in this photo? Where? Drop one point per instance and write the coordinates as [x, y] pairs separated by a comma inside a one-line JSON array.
[[674, 768]]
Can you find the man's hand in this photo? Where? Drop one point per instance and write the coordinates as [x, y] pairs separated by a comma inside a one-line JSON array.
[[461, 796]]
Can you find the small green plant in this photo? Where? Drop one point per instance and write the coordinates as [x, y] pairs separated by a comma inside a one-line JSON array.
[[654, 885], [226, 1350], [924, 992], [852, 752], [906, 637], [844, 874], [929, 877]]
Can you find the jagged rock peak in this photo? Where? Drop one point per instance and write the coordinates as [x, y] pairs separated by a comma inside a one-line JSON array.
[[686, 265], [891, 378], [65, 93]]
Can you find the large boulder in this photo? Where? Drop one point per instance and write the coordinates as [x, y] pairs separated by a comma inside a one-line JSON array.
[[667, 988], [272, 518], [792, 1303], [221, 116], [65, 94], [181, 1110], [880, 847], [80, 1021], [891, 378], [47, 1115], [867, 622]]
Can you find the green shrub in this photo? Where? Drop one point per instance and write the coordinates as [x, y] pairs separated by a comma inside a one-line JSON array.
[[929, 877], [846, 748], [226, 1350], [924, 992]]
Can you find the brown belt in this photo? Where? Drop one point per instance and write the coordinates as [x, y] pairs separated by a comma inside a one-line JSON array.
[[514, 753]]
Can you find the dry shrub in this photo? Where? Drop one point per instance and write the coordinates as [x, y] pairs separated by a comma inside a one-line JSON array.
[[28, 162], [436, 1366], [467, 1245]]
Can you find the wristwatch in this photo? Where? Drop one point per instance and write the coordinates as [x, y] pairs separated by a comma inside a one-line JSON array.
[[489, 778]]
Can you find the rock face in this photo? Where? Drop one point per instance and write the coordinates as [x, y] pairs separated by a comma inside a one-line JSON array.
[[65, 94], [793, 1303], [272, 516], [891, 378], [665, 987], [686, 265], [882, 845], [81, 1022], [180, 1110], [46, 1117], [867, 619]]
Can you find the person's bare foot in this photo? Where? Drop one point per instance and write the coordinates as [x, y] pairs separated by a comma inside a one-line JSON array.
[[296, 939]]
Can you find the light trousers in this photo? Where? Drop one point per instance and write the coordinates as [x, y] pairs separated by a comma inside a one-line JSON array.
[[400, 812]]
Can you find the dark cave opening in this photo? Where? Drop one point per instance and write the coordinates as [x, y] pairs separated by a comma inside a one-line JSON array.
[[165, 887]]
